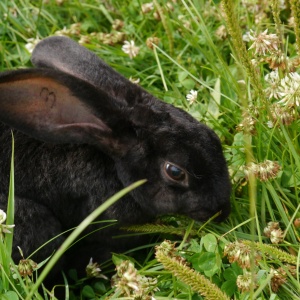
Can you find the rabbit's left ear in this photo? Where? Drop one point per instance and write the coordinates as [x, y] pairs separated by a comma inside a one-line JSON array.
[[54, 107]]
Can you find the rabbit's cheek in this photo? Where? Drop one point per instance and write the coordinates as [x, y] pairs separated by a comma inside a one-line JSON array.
[[162, 201]]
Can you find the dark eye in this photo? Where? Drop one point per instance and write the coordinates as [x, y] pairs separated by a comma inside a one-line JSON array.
[[174, 172]]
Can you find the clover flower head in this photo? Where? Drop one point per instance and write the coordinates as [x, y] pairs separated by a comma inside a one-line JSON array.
[[134, 80], [264, 171], [129, 282], [273, 81], [244, 281], [26, 267], [282, 114], [147, 7], [268, 170], [2, 216], [247, 125], [279, 277], [270, 124], [264, 42], [192, 96], [274, 232], [3, 227], [289, 90], [130, 48], [31, 43], [276, 236], [117, 24], [240, 253], [93, 270], [152, 41]]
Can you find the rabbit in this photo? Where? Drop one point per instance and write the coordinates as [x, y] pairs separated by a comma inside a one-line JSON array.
[[83, 132]]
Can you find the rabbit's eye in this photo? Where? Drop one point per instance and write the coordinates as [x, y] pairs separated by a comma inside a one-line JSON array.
[[174, 172]]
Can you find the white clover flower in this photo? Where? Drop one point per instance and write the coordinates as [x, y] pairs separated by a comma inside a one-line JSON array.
[[273, 80], [192, 96], [2, 216], [276, 236], [264, 42], [129, 282], [272, 76], [264, 171], [270, 124], [245, 281], [93, 270], [289, 90], [221, 32], [4, 228], [130, 49], [282, 4], [63, 32], [134, 80], [246, 37], [31, 43], [281, 114], [147, 7]]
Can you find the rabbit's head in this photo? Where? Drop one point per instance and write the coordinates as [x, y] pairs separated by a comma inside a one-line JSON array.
[[183, 162], [74, 97]]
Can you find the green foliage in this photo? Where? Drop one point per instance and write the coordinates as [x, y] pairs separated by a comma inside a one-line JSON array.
[[220, 50]]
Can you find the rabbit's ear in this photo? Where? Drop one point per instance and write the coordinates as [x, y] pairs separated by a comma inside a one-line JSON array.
[[62, 53], [51, 106]]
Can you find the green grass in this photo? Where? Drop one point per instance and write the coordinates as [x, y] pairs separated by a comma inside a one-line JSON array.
[[232, 99]]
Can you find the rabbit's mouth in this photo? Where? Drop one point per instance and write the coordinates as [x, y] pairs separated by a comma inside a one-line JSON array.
[[216, 216]]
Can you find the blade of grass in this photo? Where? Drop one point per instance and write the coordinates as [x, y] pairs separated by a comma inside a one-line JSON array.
[[6, 246], [11, 203]]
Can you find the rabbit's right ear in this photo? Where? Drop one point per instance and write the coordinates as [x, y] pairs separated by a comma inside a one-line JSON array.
[[55, 107]]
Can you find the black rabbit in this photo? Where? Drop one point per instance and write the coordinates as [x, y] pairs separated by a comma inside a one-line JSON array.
[[84, 132]]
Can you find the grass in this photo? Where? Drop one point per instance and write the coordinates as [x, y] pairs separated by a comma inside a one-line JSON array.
[[199, 47]]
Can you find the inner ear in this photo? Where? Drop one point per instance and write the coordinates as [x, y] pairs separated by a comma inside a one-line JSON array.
[[47, 108]]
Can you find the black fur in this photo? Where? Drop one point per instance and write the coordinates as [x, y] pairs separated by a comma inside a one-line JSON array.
[[82, 133]]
